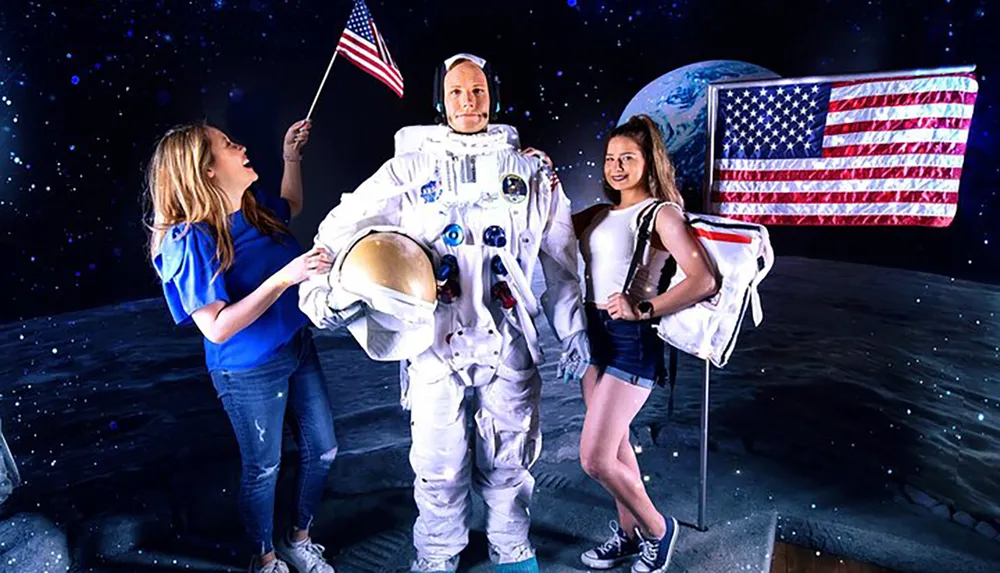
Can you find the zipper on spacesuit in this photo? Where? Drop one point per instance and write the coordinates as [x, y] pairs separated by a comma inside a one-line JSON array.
[[468, 169]]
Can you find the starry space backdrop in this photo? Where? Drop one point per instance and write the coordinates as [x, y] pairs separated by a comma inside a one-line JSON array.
[[85, 89], [878, 356]]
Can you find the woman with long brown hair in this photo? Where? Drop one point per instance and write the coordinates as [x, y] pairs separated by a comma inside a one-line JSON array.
[[230, 266], [627, 356]]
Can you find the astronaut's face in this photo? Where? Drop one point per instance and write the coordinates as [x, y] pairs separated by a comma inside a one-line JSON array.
[[624, 164], [466, 98]]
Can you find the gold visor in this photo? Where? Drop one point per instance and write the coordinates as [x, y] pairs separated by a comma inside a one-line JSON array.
[[392, 261]]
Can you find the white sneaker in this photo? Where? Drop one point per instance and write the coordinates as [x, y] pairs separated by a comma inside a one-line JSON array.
[[304, 556], [275, 566]]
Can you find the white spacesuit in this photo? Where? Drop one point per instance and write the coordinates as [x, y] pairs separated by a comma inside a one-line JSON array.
[[485, 213]]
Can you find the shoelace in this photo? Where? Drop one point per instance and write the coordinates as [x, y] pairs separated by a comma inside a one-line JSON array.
[[276, 566], [613, 542], [650, 549], [314, 553]]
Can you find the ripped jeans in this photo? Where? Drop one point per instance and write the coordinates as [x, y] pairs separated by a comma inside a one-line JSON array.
[[255, 400]]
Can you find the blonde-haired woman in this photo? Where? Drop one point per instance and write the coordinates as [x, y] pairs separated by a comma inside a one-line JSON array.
[[229, 265], [626, 354]]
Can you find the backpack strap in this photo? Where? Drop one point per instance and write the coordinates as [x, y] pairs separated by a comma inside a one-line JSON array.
[[644, 230]]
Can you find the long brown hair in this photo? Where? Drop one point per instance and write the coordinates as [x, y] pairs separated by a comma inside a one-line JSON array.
[[660, 178], [179, 192]]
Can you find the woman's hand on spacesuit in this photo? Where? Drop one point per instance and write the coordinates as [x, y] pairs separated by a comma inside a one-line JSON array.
[[532, 152], [620, 307], [313, 263]]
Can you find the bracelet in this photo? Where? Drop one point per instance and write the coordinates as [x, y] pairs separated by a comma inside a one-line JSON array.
[[293, 158]]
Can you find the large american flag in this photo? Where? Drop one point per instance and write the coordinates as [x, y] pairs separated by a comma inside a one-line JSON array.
[[881, 149], [362, 44]]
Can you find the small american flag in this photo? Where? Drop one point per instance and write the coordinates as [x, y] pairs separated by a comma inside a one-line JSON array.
[[882, 149], [362, 44]]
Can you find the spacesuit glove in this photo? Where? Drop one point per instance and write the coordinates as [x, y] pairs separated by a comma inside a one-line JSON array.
[[575, 357], [342, 317]]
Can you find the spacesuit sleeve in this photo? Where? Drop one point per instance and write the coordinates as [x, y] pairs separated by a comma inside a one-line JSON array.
[[376, 202], [559, 255]]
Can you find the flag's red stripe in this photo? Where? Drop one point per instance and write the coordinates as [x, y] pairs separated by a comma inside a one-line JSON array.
[[364, 67], [840, 174], [838, 197], [359, 43], [845, 220], [382, 47], [366, 63], [891, 100], [899, 124], [719, 236], [350, 51], [900, 79], [907, 148], [377, 44], [365, 49]]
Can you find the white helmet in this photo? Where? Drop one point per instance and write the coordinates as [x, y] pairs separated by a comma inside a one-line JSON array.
[[393, 275]]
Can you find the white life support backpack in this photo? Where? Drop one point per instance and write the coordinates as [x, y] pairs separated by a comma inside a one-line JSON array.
[[742, 255]]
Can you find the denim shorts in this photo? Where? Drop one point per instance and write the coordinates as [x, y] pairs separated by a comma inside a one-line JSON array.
[[626, 349]]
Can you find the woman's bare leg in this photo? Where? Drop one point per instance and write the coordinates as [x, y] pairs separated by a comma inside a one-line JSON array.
[[612, 404], [626, 454]]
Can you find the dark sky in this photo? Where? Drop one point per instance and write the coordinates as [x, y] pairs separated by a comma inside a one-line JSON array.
[[86, 88]]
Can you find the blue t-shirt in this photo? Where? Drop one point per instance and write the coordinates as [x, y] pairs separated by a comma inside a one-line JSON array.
[[186, 263]]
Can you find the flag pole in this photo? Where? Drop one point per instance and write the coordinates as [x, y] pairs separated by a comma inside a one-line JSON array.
[[315, 99]]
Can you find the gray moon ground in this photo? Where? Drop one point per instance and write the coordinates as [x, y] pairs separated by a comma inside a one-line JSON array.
[[859, 380]]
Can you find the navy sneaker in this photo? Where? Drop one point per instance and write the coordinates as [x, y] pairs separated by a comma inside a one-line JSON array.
[[616, 550], [654, 556]]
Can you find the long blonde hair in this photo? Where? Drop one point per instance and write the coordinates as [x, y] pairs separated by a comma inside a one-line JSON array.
[[179, 192], [660, 175]]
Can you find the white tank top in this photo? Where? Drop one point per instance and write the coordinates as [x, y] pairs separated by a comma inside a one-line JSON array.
[[607, 245]]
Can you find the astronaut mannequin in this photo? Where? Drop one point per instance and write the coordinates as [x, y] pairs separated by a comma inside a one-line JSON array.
[[483, 213]]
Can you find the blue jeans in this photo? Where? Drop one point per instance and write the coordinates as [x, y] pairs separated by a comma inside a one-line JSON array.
[[628, 350], [255, 400]]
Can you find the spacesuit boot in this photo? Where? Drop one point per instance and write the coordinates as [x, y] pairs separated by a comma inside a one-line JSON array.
[[526, 566], [432, 566]]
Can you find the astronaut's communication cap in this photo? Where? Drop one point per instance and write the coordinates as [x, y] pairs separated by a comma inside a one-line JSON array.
[[448, 63]]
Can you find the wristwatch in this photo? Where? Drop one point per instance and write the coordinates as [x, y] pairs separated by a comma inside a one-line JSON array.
[[645, 309]]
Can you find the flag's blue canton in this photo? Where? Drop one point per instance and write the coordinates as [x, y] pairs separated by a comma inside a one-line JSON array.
[[771, 122], [358, 22]]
